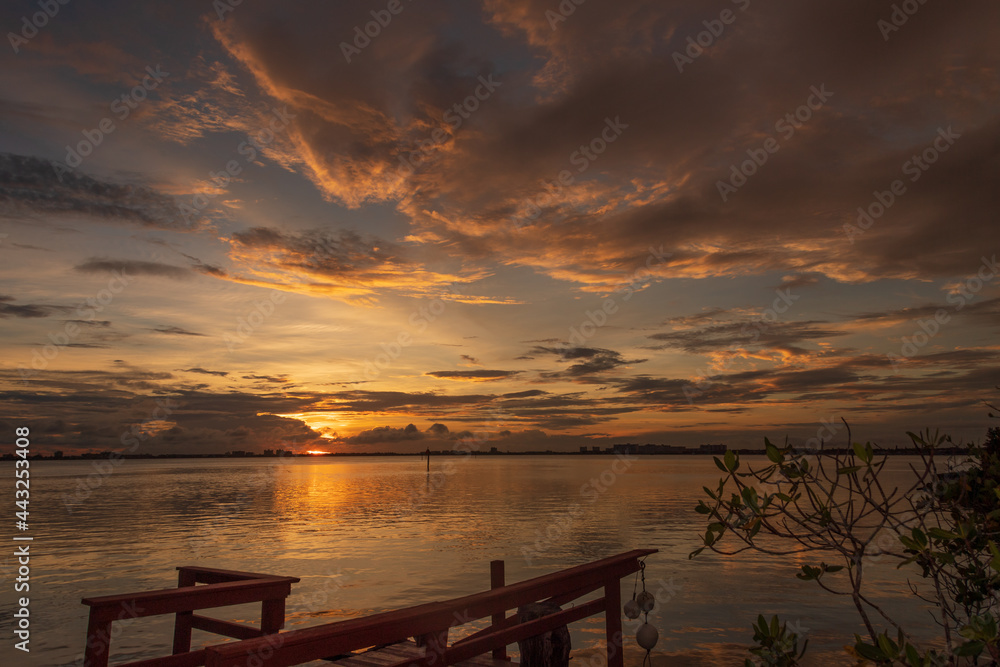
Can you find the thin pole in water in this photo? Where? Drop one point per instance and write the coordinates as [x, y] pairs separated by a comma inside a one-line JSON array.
[[428, 455]]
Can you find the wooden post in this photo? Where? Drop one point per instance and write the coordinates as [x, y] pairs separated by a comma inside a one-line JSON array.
[[98, 637], [183, 619], [613, 622], [497, 580], [272, 616], [428, 454]]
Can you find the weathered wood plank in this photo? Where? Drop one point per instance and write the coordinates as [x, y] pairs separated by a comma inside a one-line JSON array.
[[211, 575], [307, 644], [192, 659], [189, 598], [389, 655], [225, 587], [224, 628]]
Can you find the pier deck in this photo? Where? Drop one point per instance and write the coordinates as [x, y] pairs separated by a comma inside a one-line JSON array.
[[428, 624]]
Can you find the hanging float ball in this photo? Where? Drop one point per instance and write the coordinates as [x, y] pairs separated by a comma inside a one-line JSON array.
[[647, 636], [646, 601], [632, 609]]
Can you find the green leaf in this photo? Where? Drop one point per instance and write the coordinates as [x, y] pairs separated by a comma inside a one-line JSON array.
[[809, 573], [913, 656], [702, 508], [869, 651], [719, 464], [941, 534], [971, 648], [732, 461], [995, 563], [773, 453], [887, 646], [695, 552], [859, 450]]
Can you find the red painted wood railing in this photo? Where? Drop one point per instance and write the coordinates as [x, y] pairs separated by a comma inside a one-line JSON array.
[[224, 588], [430, 622]]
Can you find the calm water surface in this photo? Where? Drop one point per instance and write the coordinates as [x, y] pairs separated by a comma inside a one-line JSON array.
[[371, 534]]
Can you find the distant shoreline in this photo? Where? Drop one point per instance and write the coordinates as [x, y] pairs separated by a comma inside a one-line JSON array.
[[910, 451]]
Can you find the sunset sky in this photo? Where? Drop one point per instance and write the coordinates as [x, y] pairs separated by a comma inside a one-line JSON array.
[[247, 225]]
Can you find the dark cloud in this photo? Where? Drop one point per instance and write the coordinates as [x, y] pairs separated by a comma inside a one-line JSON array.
[[384, 435], [595, 360], [659, 179], [961, 305], [29, 310], [275, 379], [438, 430], [792, 282], [399, 401], [337, 263], [785, 336], [34, 186], [134, 268], [474, 375], [205, 371], [175, 331]]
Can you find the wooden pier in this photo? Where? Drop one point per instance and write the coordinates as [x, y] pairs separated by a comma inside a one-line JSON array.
[[391, 632]]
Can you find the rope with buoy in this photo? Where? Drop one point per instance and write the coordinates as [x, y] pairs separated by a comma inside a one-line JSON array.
[[647, 634]]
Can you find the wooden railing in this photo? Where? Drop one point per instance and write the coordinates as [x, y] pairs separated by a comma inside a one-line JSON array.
[[224, 588], [430, 622]]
